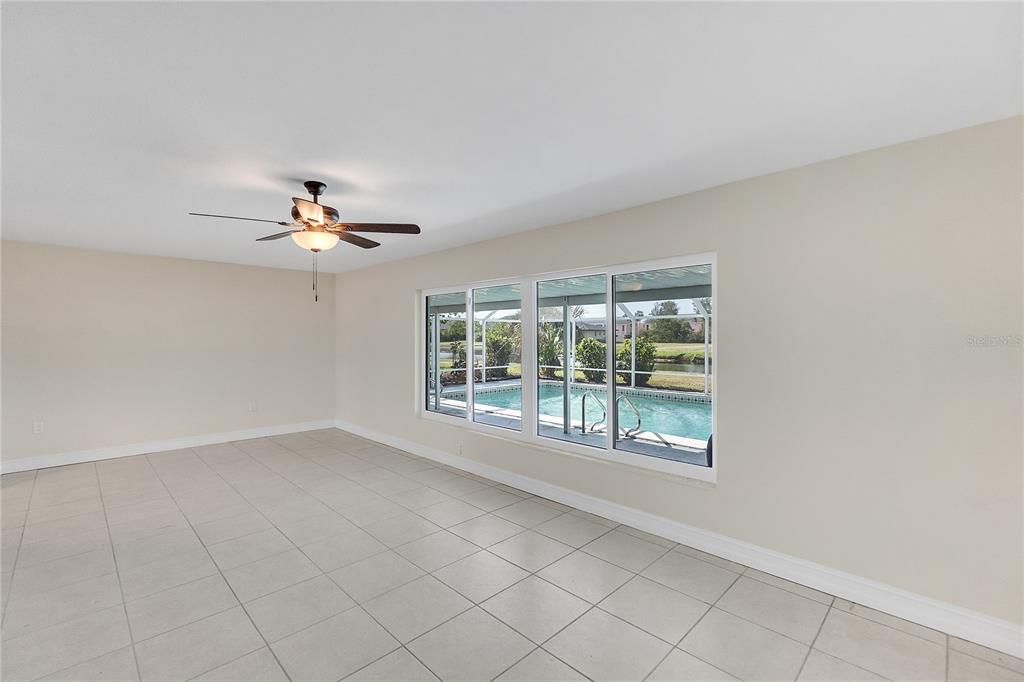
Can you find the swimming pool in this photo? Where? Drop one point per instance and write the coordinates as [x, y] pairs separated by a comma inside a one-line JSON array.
[[668, 417]]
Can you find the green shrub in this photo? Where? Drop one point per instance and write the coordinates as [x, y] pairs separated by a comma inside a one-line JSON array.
[[645, 352], [503, 342], [591, 353], [549, 349]]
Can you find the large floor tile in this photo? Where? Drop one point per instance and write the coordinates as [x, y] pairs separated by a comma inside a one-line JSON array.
[[531, 550], [450, 513], [821, 667], [341, 550], [434, 551], [376, 575], [776, 609], [472, 646], [287, 611], [34, 611], [486, 530], [605, 648], [694, 577], [163, 611], [964, 668], [258, 666], [401, 529], [198, 647], [398, 665], [155, 548], [527, 513], [334, 648], [117, 665], [480, 576], [622, 549], [881, 649], [249, 548], [586, 576], [572, 530], [743, 649], [271, 574], [540, 665], [984, 653], [659, 610], [179, 569], [412, 609], [536, 608], [317, 527], [890, 621], [490, 499], [65, 644], [222, 530], [680, 666]]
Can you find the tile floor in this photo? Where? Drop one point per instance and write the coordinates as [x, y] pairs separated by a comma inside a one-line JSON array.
[[323, 556]]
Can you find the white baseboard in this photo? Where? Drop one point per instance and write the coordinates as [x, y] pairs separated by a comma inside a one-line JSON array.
[[13, 465], [976, 627]]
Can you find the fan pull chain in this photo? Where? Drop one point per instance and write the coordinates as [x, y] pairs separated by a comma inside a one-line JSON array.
[[316, 296]]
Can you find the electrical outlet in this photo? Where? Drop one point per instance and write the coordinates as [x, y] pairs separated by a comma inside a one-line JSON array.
[[252, 405], [37, 427]]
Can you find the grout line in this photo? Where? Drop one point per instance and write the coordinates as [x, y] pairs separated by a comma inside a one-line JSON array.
[[219, 571], [17, 551], [821, 626], [117, 573]]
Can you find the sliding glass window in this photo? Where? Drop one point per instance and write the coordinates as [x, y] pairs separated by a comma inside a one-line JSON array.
[[497, 361], [445, 380], [663, 396], [614, 362], [572, 381]]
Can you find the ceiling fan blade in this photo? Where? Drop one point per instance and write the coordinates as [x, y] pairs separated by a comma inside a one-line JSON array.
[[356, 239], [279, 235], [390, 228], [235, 217]]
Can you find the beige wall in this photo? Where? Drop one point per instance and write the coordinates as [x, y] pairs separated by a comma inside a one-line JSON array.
[[113, 349], [871, 437]]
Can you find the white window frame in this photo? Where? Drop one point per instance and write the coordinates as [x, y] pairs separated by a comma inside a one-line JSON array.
[[527, 433]]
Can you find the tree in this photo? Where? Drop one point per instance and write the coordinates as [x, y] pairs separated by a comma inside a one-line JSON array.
[[666, 331], [455, 331]]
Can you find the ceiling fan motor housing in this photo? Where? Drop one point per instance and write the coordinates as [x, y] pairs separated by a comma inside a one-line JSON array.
[[314, 187]]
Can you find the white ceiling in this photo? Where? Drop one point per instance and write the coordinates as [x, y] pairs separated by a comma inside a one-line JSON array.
[[473, 120]]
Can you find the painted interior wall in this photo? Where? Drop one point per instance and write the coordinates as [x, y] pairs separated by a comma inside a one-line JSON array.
[[858, 427], [114, 349]]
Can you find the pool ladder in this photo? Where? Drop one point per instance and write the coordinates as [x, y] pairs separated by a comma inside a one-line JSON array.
[[626, 433]]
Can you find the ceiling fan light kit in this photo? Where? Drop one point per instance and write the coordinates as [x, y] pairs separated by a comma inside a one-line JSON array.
[[315, 227]]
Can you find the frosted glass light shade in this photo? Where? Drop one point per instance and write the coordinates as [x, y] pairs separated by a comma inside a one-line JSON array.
[[315, 241]]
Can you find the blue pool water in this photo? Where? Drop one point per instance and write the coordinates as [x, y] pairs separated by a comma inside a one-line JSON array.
[[670, 417]]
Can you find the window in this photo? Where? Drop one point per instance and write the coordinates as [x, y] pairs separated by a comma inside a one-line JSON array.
[[446, 354], [663, 362], [572, 382], [612, 362], [497, 363]]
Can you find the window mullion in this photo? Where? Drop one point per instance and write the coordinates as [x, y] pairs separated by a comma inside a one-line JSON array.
[[470, 352], [611, 418]]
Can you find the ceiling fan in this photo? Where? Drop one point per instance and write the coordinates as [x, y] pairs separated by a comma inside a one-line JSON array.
[[315, 227]]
